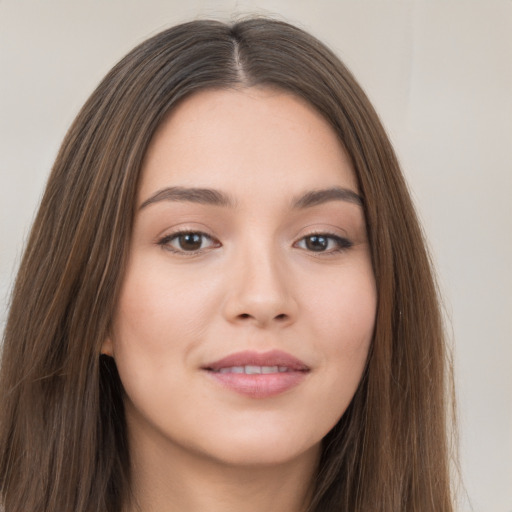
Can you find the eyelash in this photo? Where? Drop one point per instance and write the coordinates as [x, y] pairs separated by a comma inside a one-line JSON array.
[[342, 244], [165, 242]]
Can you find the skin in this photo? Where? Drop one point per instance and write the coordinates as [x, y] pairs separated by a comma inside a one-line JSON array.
[[253, 284]]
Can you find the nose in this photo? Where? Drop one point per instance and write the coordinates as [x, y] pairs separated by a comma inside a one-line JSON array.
[[259, 292]]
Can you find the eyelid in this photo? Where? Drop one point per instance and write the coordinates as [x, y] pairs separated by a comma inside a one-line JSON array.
[[343, 243], [164, 241]]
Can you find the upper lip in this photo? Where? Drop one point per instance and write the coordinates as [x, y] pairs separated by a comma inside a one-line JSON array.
[[252, 358]]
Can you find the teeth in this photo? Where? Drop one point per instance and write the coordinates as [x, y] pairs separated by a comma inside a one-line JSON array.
[[253, 370], [233, 369]]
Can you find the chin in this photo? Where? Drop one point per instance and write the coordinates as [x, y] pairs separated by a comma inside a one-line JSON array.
[[260, 449], [267, 457]]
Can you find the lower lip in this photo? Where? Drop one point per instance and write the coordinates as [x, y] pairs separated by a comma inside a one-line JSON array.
[[260, 385]]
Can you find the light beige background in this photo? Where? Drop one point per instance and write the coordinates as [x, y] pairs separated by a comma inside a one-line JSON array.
[[439, 74]]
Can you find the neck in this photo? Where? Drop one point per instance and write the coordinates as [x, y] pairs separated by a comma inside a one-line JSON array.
[[174, 480]]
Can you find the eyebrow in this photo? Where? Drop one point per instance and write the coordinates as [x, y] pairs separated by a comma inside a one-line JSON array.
[[192, 195], [316, 197], [214, 197]]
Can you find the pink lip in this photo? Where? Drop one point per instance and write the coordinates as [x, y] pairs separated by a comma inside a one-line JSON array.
[[259, 385], [248, 357]]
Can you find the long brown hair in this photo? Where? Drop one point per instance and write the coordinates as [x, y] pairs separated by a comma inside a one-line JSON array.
[[62, 430]]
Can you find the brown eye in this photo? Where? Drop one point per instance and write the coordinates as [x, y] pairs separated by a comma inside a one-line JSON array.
[[324, 243], [189, 241], [316, 243]]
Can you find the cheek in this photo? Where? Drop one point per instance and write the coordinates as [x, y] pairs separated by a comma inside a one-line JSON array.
[[343, 319], [344, 310], [159, 321], [159, 312]]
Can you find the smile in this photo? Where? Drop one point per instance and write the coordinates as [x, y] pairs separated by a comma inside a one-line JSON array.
[[254, 370], [258, 375]]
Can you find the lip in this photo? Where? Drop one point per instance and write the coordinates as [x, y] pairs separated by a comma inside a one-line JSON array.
[[261, 385], [249, 357]]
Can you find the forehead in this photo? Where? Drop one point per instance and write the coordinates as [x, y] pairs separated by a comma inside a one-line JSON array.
[[253, 140]]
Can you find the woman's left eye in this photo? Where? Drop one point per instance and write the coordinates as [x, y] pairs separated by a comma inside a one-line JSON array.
[[324, 243], [188, 242]]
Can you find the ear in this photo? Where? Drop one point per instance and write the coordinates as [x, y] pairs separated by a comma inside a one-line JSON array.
[[107, 347]]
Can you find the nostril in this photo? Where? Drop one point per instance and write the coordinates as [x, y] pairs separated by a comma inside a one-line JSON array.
[[282, 317]]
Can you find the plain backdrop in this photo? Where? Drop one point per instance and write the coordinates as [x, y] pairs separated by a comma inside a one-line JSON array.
[[440, 76]]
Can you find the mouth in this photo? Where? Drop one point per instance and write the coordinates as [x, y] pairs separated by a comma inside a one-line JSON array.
[[253, 369], [258, 375]]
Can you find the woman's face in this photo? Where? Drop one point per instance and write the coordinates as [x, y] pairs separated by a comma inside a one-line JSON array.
[[248, 303]]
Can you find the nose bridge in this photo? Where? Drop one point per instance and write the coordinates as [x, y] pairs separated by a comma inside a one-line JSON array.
[[259, 288], [262, 273]]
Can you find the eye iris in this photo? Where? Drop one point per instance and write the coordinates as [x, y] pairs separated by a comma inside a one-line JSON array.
[[317, 243], [190, 241]]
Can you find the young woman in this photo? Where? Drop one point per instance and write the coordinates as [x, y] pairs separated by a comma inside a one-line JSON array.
[[225, 302]]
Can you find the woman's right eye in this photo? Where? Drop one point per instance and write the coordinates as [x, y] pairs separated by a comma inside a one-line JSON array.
[[190, 242]]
